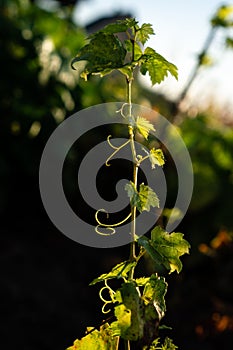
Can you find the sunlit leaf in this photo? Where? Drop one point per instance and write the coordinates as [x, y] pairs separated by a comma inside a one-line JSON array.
[[170, 246], [156, 157], [155, 255], [144, 33], [168, 344], [154, 293], [120, 26], [143, 126], [223, 17], [157, 66], [102, 339], [104, 53], [141, 281], [119, 271], [165, 248], [148, 198], [137, 49], [142, 199], [129, 324], [155, 345]]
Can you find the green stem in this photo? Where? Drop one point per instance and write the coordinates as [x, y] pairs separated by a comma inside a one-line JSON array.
[[127, 345], [132, 256]]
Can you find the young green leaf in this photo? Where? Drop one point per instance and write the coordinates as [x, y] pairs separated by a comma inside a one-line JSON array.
[[169, 345], [170, 247], [156, 157], [157, 66], [143, 126], [154, 293], [142, 199], [165, 249], [143, 33], [141, 281], [148, 198], [129, 324], [102, 339], [120, 26], [104, 53], [119, 271], [146, 244], [155, 345], [137, 49]]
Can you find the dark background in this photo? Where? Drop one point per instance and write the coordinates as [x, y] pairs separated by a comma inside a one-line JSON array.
[[45, 298]]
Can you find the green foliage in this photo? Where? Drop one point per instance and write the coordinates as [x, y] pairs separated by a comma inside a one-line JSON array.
[[154, 293], [157, 66], [119, 271], [156, 157], [223, 17], [143, 126], [166, 248], [105, 52], [120, 26], [129, 324], [142, 199], [98, 340], [144, 33], [139, 303], [168, 345]]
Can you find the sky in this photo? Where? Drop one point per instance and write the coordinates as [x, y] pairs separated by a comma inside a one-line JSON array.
[[181, 28]]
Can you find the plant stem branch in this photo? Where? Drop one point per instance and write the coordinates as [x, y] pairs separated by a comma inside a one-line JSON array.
[[132, 256], [127, 345]]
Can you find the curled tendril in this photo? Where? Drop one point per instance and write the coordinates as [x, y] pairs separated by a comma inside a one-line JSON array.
[[121, 110], [109, 142], [108, 226], [112, 231], [106, 302], [128, 115], [117, 149]]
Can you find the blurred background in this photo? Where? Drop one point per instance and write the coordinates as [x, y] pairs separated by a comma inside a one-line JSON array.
[[45, 299]]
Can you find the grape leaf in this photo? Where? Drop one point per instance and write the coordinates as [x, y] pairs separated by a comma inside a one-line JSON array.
[[154, 293], [99, 340], [157, 66], [169, 345], [129, 324], [143, 126], [156, 157], [154, 345], [165, 249], [119, 271], [144, 33], [142, 199], [119, 26], [137, 49], [155, 255], [170, 247], [104, 53], [141, 281], [148, 198]]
